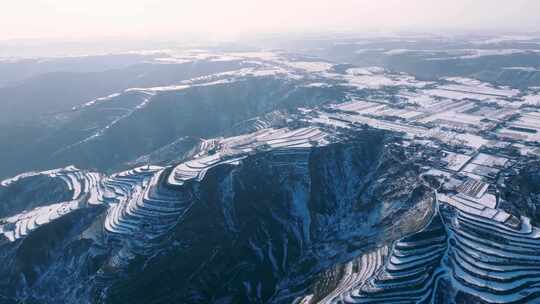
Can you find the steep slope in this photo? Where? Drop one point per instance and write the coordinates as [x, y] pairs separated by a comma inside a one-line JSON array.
[[59, 91], [153, 119], [469, 253], [222, 236], [522, 191]]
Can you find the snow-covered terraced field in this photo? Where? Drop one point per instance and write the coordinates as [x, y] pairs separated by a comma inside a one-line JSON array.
[[355, 274], [21, 225], [149, 208], [409, 274], [83, 186], [480, 256], [468, 85], [88, 189], [493, 261], [145, 202], [60, 172], [233, 150]]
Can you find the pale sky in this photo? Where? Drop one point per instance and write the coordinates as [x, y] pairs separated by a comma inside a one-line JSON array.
[[78, 19]]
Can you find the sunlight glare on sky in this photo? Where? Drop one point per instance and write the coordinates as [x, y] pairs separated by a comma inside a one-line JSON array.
[[143, 18]]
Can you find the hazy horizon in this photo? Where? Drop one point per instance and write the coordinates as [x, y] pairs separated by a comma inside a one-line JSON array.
[[152, 19]]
